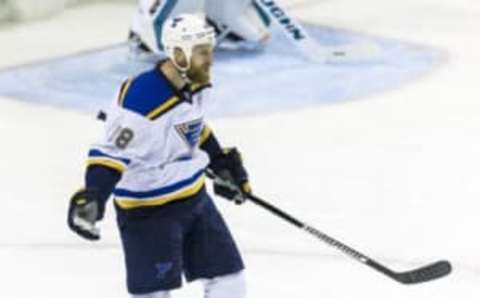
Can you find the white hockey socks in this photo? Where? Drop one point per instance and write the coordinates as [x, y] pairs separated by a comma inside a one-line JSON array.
[[226, 286], [159, 294]]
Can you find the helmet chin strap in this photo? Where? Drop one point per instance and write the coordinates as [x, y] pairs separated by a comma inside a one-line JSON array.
[[182, 69], [185, 77]]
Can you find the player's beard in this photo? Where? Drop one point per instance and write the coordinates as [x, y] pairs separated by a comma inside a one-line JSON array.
[[200, 74]]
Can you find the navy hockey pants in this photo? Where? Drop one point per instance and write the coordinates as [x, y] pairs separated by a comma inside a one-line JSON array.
[[186, 237]]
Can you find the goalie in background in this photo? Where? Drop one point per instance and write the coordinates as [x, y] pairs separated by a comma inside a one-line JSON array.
[[239, 24]]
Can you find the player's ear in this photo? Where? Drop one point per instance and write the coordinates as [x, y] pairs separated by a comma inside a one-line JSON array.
[[180, 57]]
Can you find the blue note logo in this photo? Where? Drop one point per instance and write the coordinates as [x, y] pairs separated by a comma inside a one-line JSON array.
[[190, 132], [163, 269]]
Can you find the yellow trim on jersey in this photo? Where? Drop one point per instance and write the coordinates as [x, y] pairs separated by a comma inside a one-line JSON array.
[[123, 91], [110, 163], [206, 132], [129, 203], [197, 86], [163, 107]]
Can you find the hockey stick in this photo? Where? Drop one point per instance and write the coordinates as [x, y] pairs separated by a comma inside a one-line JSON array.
[[419, 275], [305, 43]]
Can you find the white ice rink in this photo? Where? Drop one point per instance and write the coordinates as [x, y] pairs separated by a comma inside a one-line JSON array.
[[394, 175]]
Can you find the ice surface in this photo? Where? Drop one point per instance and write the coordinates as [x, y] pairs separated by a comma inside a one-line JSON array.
[[394, 175], [283, 78]]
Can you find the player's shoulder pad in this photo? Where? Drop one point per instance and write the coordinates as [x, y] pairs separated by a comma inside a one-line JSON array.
[[148, 94]]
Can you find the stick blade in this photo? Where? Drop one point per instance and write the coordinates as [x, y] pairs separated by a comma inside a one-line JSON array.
[[424, 274]]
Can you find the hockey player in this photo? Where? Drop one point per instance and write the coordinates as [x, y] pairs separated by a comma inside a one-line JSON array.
[[152, 158], [238, 23]]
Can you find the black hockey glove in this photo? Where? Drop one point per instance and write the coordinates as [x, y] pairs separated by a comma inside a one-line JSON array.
[[84, 211], [232, 182]]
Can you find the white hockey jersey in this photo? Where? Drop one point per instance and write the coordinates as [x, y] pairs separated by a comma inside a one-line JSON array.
[[152, 136]]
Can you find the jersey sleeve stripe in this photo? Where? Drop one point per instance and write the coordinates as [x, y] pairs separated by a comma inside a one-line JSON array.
[[95, 153], [123, 91], [109, 163], [206, 132], [163, 108]]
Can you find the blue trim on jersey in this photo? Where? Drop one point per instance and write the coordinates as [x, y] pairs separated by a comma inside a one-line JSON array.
[[158, 192], [98, 153], [147, 92], [161, 18]]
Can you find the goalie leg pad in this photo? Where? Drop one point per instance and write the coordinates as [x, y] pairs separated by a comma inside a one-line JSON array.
[[241, 17]]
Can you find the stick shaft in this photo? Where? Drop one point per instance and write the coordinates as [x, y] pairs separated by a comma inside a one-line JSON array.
[[311, 230], [293, 30], [423, 274]]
